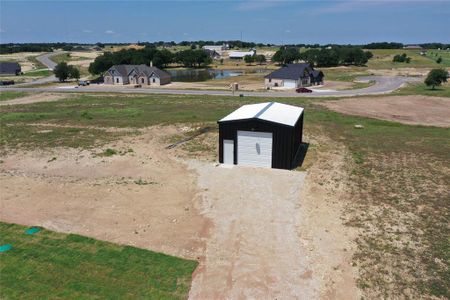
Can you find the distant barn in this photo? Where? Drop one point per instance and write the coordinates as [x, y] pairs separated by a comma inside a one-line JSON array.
[[262, 135], [10, 68]]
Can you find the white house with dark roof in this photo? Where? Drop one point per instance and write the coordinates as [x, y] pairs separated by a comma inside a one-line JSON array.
[[294, 76], [136, 74]]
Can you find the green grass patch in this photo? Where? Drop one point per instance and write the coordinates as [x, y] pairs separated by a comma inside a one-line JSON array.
[[109, 152], [10, 95], [422, 89], [348, 74], [382, 59], [63, 57], [50, 265], [38, 73]]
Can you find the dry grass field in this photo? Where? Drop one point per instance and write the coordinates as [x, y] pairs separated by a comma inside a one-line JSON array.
[[370, 213]]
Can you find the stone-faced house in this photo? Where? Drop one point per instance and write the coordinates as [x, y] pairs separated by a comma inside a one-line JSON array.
[[10, 68], [294, 76], [136, 74]]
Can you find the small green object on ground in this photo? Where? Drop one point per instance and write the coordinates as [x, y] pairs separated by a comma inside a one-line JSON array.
[[32, 230], [6, 247]]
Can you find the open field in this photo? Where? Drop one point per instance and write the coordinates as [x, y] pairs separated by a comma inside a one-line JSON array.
[[381, 189], [422, 89], [382, 59], [55, 265], [445, 55], [418, 110]]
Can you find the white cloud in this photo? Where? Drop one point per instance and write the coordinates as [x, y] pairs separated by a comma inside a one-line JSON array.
[[109, 32], [338, 7]]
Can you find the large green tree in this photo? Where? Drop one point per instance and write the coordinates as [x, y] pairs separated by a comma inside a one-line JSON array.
[[260, 58], [61, 71], [249, 59], [436, 77], [286, 55]]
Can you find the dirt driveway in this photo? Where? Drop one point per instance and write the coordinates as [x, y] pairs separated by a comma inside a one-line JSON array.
[[274, 234], [416, 110], [254, 248]]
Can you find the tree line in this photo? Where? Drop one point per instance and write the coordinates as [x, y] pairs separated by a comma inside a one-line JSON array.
[[38, 47], [339, 56], [160, 58]]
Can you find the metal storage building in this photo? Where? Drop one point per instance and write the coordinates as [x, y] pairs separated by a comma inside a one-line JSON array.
[[263, 135]]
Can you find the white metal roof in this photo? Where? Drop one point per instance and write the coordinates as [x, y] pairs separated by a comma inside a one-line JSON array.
[[268, 111], [241, 54]]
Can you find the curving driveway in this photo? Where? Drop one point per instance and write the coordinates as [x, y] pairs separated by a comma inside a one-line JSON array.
[[50, 64]]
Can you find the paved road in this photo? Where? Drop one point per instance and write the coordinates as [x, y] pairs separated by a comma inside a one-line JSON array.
[[46, 61], [383, 85]]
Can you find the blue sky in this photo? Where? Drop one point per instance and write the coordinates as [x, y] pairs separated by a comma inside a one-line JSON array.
[[273, 21]]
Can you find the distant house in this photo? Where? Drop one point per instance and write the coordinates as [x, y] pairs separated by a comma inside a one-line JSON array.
[[10, 68], [294, 76], [240, 54], [136, 74], [212, 53], [217, 48]]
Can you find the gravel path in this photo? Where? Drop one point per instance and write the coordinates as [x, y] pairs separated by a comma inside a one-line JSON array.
[[254, 248]]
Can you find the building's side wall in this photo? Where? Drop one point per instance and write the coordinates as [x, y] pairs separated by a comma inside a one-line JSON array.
[[108, 79], [120, 80], [154, 80], [143, 80], [165, 81], [298, 139], [284, 140], [273, 82]]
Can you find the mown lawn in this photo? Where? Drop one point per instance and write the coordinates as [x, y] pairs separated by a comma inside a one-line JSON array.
[[50, 265], [399, 196], [9, 95], [38, 73]]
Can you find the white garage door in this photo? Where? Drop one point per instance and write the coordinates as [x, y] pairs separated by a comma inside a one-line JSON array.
[[254, 148], [290, 84]]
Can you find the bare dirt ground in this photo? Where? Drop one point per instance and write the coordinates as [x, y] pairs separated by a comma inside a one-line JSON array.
[[257, 233], [40, 97], [141, 198], [418, 110]]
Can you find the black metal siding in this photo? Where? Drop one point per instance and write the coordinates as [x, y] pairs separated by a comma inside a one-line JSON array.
[[286, 139]]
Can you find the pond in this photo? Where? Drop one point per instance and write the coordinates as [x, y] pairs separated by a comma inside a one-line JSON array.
[[193, 75]]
